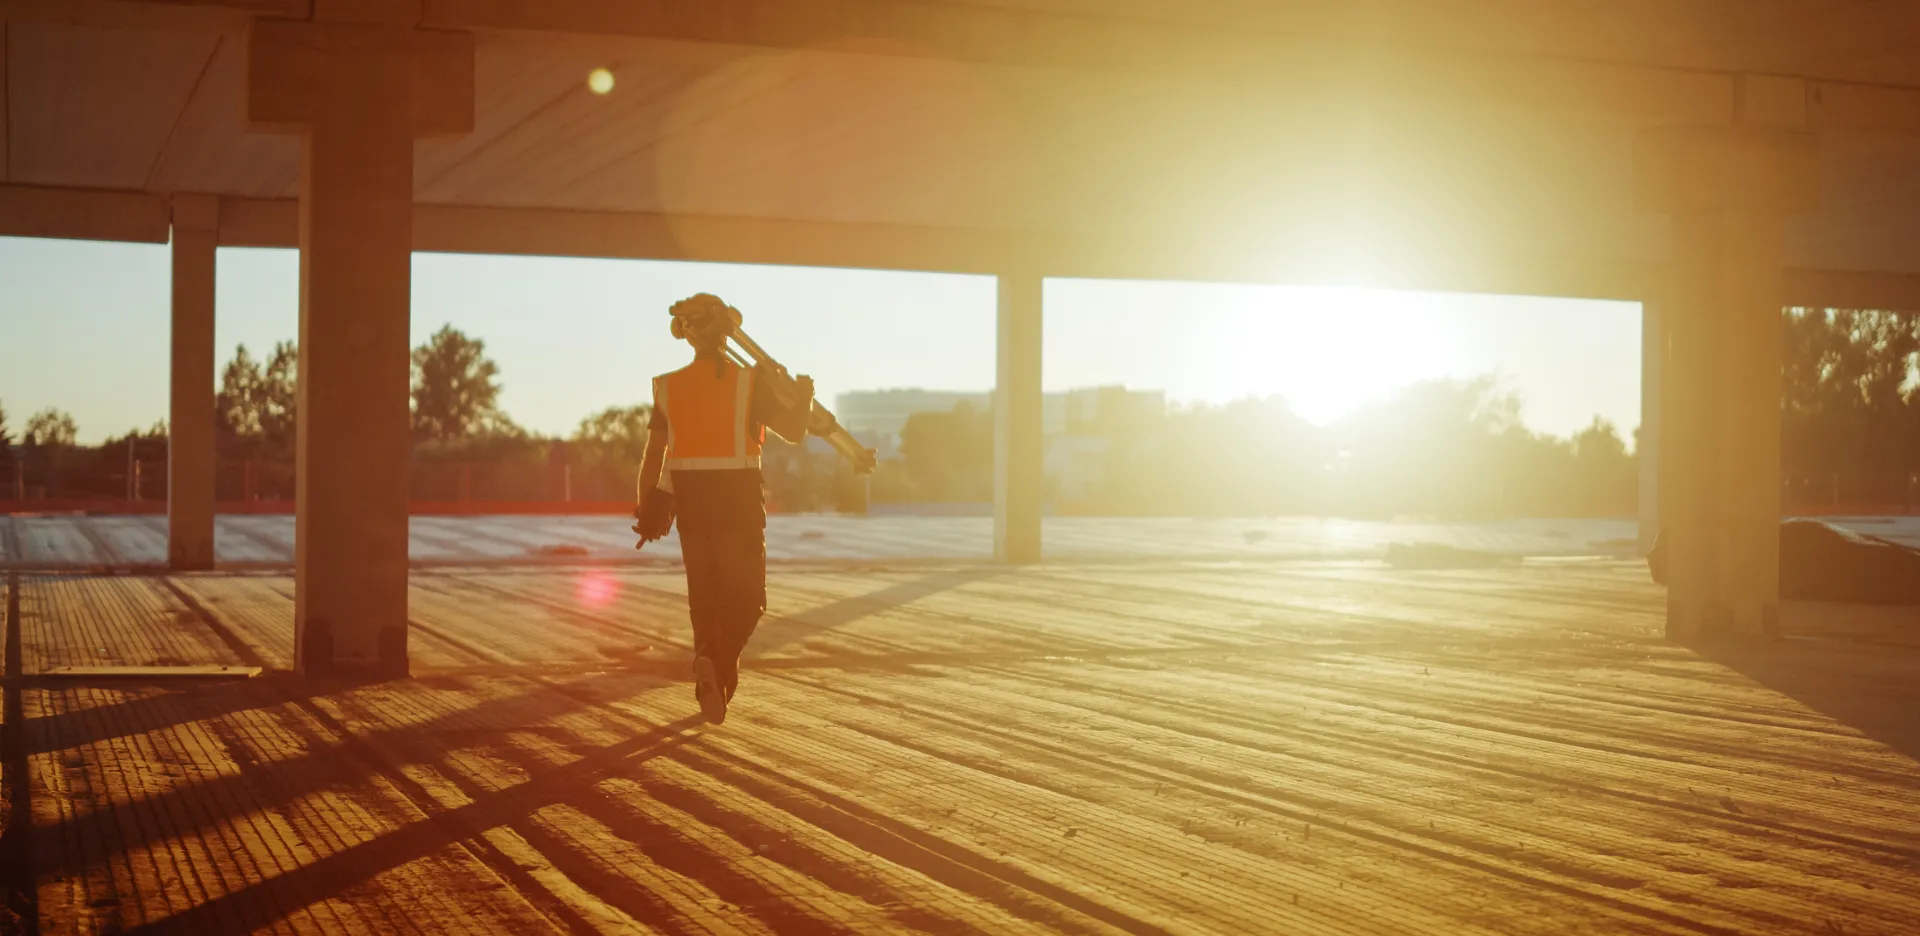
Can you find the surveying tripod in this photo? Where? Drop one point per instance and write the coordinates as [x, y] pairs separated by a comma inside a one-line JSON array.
[[820, 421]]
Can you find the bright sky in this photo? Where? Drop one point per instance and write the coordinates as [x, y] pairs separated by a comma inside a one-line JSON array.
[[84, 327]]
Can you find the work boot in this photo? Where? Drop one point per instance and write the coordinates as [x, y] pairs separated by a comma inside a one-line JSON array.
[[707, 689]]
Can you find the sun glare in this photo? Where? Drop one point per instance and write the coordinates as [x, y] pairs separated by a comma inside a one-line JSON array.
[[1329, 351], [595, 589]]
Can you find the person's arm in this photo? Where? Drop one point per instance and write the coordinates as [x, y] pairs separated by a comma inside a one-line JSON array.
[[655, 457], [789, 423], [653, 511], [649, 478]]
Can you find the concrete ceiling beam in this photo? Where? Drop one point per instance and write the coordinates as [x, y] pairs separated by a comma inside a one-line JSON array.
[[30, 211], [84, 214]]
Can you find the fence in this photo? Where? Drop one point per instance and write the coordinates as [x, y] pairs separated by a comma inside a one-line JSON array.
[[459, 487], [139, 485], [264, 486]]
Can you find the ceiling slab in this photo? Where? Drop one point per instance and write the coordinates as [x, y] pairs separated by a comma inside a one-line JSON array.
[[94, 107], [542, 126], [210, 149], [1851, 40], [1847, 40], [6, 124], [1228, 126]]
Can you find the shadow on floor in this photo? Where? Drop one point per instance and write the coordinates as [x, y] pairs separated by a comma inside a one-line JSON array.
[[777, 632], [1873, 687], [288, 748]]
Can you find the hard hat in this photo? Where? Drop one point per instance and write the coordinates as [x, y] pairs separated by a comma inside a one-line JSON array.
[[703, 313]]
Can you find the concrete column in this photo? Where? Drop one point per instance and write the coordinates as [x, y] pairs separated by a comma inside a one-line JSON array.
[[358, 94], [1729, 191], [190, 457], [1019, 444], [1653, 363]]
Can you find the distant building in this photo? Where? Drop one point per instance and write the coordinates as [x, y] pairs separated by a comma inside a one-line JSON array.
[[884, 446], [1099, 426], [1087, 428], [1112, 412], [885, 412]]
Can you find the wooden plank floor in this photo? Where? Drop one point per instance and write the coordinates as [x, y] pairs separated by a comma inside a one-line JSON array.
[[1189, 748]]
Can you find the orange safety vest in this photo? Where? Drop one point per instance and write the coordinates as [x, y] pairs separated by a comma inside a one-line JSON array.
[[708, 415]]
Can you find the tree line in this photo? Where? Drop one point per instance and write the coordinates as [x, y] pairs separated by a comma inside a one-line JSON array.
[[1850, 404], [1450, 448], [1850, 425], [465, 446], [1850, 420]]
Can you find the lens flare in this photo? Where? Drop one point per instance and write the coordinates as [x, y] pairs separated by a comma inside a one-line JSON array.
[[600, 81], [595, 590]]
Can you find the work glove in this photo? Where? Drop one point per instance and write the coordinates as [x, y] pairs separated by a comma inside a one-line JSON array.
[[653, 519]]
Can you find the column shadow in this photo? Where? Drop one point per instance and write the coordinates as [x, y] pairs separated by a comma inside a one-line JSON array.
[[1872, 687], [779, 631]]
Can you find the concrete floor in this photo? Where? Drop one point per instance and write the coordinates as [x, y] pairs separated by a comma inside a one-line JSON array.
[[1289, 747]]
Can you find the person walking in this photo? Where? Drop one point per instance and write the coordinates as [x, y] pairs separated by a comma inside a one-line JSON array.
[[702, 471]]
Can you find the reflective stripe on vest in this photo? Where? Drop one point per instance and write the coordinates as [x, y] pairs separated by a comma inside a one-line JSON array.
[[708, 417]]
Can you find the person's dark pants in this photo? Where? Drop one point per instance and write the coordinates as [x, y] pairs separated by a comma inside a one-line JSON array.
[[726, 591]]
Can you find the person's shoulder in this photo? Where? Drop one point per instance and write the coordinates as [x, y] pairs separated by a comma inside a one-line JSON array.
[[765, 377]]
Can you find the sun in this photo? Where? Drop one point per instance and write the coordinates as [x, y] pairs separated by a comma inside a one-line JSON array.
[[1329, 351]]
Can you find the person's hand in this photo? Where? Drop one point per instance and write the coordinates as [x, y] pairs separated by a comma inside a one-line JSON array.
[[654, 518]]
